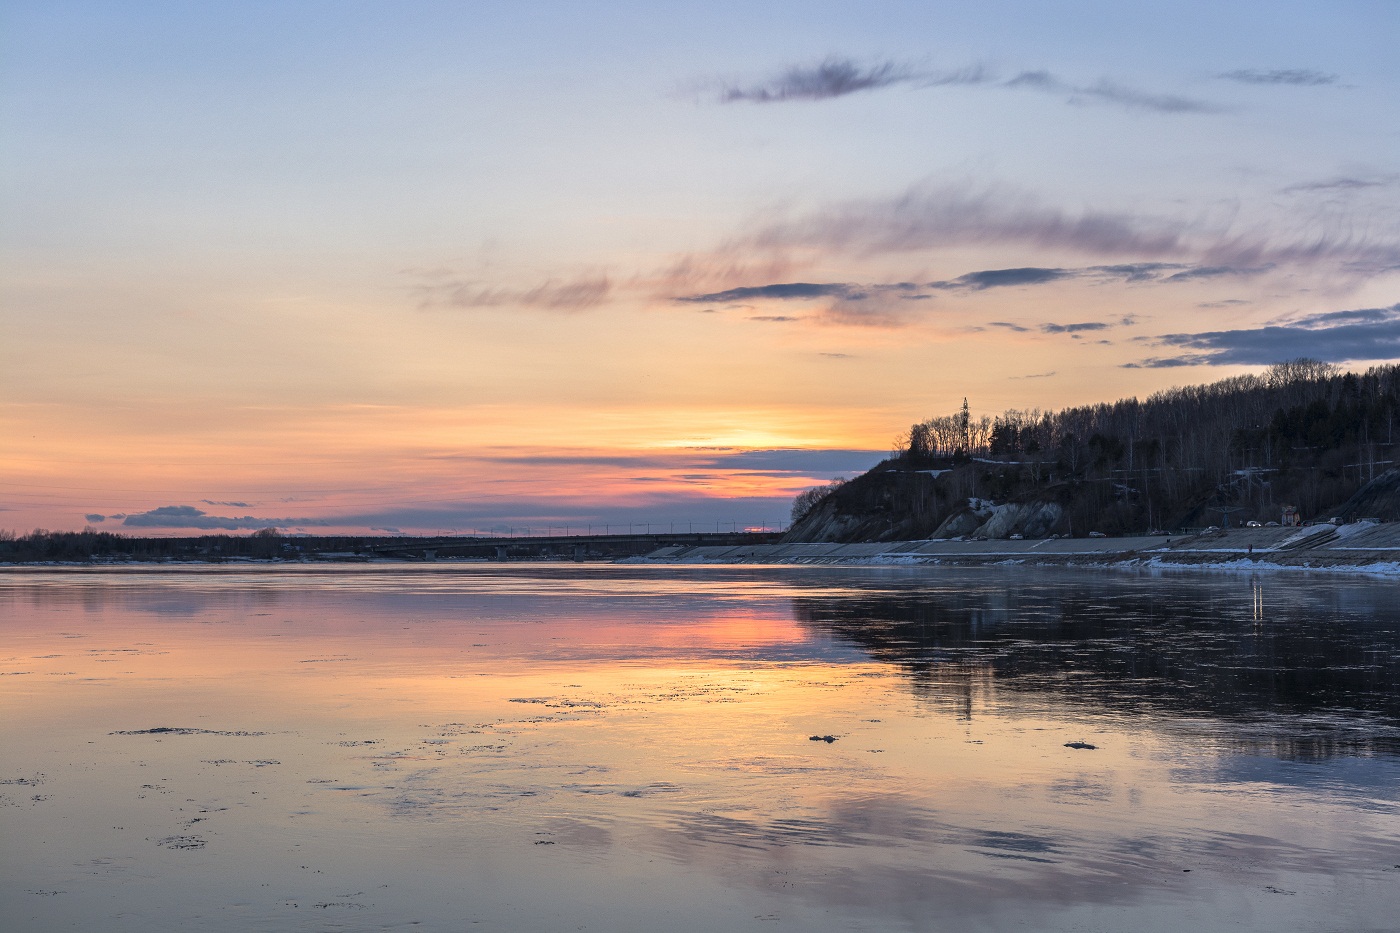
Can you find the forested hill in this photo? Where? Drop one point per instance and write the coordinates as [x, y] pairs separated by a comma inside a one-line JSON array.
[[1301, 434]]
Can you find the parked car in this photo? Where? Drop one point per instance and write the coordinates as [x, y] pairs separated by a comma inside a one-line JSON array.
[[1018, 537], [1097, 534], [1253, 524]]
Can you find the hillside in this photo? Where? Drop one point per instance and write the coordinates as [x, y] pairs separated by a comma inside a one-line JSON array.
[[1242, 449]]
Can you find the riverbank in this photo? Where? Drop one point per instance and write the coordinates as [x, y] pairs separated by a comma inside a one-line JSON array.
[[1362, 547]]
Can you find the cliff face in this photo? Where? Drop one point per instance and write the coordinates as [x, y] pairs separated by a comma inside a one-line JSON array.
[[1379, 498], [895, 503], [985, 499]]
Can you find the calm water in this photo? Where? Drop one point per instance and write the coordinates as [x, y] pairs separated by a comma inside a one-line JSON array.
[[542, 748]]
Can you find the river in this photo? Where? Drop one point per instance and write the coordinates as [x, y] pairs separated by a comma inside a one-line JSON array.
[[542, 747]]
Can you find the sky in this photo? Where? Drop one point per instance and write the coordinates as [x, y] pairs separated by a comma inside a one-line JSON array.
[[433, 267]]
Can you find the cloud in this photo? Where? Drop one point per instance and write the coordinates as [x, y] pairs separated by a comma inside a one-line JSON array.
[[775, 318], [232, 505], [1000, 278], [1009, 326], [1130, 273], [187, 516], [835, 77], [1074, 328], [1171, 362], [1333, 336], [1303, 77], [1212, 272], [839, 356], [838, 77], [925, 219], [552, 295], [1035, 375], [1108, 91], [94, 517], [782, 291], [980, 280], [1342, 183]]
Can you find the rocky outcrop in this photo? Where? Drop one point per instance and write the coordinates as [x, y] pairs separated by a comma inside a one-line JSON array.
[[1380, 498], [1030, 519], [891, 503]]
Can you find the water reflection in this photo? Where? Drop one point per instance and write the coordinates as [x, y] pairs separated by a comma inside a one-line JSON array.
[[1317, 676], [629, 749]]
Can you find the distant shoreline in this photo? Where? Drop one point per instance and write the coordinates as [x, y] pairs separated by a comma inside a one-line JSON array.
[[1363, 548]]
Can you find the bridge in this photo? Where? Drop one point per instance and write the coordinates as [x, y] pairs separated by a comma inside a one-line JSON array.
[[557, 547]]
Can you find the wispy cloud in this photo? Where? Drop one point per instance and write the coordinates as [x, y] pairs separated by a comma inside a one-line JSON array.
[[1333, 336], [1106, 91], [1343, 183], [835, 77], [187, 516], [782, 291], [1074, 328], [552, 295], [980, 280], [839, 77], [926, 219], [1001, 278], [1303, 77]]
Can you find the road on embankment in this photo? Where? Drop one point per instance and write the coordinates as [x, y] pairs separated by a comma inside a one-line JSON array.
[[1362, 546]]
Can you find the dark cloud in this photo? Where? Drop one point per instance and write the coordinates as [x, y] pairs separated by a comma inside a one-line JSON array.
[[1341, 183], [1009, 326], [232, 505], [1326, 319], [552, 295], [802, 461], [1036, 375], [1074, 328], [839, 356], [1304, 77], [1335, 336], [187, 516], [1137, 271], [782, 291], [870, 304], [838, 77], [1000, 278], [94, 517], [835, 77], [1212, 272], [797, 461]]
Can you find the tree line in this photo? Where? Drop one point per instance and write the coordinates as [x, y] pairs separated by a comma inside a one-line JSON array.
[[1301, 433]]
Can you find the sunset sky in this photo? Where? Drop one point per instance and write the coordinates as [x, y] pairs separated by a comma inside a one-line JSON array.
[[448, 266]]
